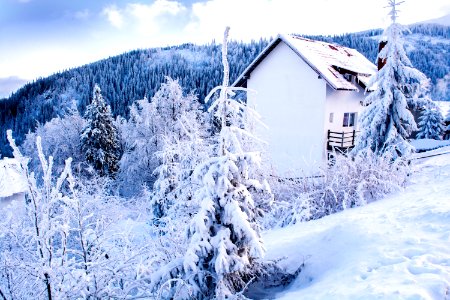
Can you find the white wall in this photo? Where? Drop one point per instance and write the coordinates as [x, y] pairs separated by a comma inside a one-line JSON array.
[[291, 100], [338, 103]]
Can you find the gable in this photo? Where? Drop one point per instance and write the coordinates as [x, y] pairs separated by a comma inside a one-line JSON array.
[[331, 62]]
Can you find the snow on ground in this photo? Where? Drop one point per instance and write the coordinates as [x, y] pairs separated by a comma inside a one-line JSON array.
[[444, 106], [429, 144], [395, 248], [12, 180], [431, 153]]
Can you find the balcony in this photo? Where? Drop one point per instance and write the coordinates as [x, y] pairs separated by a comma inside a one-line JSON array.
[[342, 141]]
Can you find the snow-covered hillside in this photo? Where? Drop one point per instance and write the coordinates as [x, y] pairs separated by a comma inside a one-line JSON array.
[[444, 20], [396, 248], [444, 106], [12, 180]]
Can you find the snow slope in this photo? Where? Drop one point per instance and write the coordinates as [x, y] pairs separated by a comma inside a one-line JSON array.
[[444, 20], [429, 144], [396, 248], [12, 180], [444, 106]]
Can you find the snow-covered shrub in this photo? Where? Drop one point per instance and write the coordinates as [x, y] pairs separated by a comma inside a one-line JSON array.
[[365, 178], [163, 141], [182, 136], [141, 142], [346, 182], [60, 138], [66, 240], [34, 241]]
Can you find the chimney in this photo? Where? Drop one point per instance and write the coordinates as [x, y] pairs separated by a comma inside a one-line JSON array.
[[381, 62]]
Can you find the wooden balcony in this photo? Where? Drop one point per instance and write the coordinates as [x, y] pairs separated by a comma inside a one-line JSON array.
[[342, 141]]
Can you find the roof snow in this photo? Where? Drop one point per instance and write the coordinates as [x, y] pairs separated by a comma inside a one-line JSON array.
[[330, 61], [12, 179]]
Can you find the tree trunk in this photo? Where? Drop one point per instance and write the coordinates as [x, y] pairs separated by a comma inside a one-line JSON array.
[[49, 289]]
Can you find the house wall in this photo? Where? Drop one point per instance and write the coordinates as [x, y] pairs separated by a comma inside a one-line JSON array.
[[291, 100], [340, 102]]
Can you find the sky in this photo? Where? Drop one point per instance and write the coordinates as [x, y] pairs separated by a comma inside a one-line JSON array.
[[41, 37]]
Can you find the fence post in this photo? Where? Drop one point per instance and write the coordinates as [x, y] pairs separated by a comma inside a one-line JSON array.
[[353, 138], [328, 139], [342, 140]]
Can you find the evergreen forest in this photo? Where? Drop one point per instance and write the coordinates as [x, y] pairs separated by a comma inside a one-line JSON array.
[[137, 74]]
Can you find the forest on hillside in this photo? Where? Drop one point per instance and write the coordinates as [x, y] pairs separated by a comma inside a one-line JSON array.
[[138, 74], [169, 200]]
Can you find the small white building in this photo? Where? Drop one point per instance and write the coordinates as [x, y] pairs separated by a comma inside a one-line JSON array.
[[13, 184], [309, 94]]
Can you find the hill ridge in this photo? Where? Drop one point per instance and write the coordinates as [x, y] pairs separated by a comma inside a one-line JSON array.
[[132, 75]]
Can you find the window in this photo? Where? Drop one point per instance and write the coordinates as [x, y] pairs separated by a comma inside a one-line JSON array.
[[331, 117], [349, 120], [349, 77]]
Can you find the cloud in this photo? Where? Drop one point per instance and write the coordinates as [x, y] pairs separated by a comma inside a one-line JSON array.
[[114, 16], [10, 84], [45, 36], [146, 19], [157, 8], [153, 18], [82, 14], [255, 18], [412, 11]]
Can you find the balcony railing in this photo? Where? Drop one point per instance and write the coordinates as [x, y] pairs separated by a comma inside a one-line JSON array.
[[341, 140]]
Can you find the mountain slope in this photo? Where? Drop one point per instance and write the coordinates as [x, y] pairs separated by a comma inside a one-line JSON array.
[[444, 20], [123, 79], [131, 76], [396, 248]]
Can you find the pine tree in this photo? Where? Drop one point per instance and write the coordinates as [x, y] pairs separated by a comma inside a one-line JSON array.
[[431, 124], [225, 242], [100, 139], [386, 123], [447, 126]]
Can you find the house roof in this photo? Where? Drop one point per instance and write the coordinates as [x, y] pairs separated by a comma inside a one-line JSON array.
[[329, 61], [12, 178]]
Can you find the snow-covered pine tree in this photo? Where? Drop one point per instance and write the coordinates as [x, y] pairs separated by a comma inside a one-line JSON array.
[[225, 242], [100, 139], [431, 124], [386, 123], [447, 126]]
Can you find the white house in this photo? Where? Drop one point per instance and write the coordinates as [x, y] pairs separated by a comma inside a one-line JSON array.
[[309, 94], [13, 185]]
